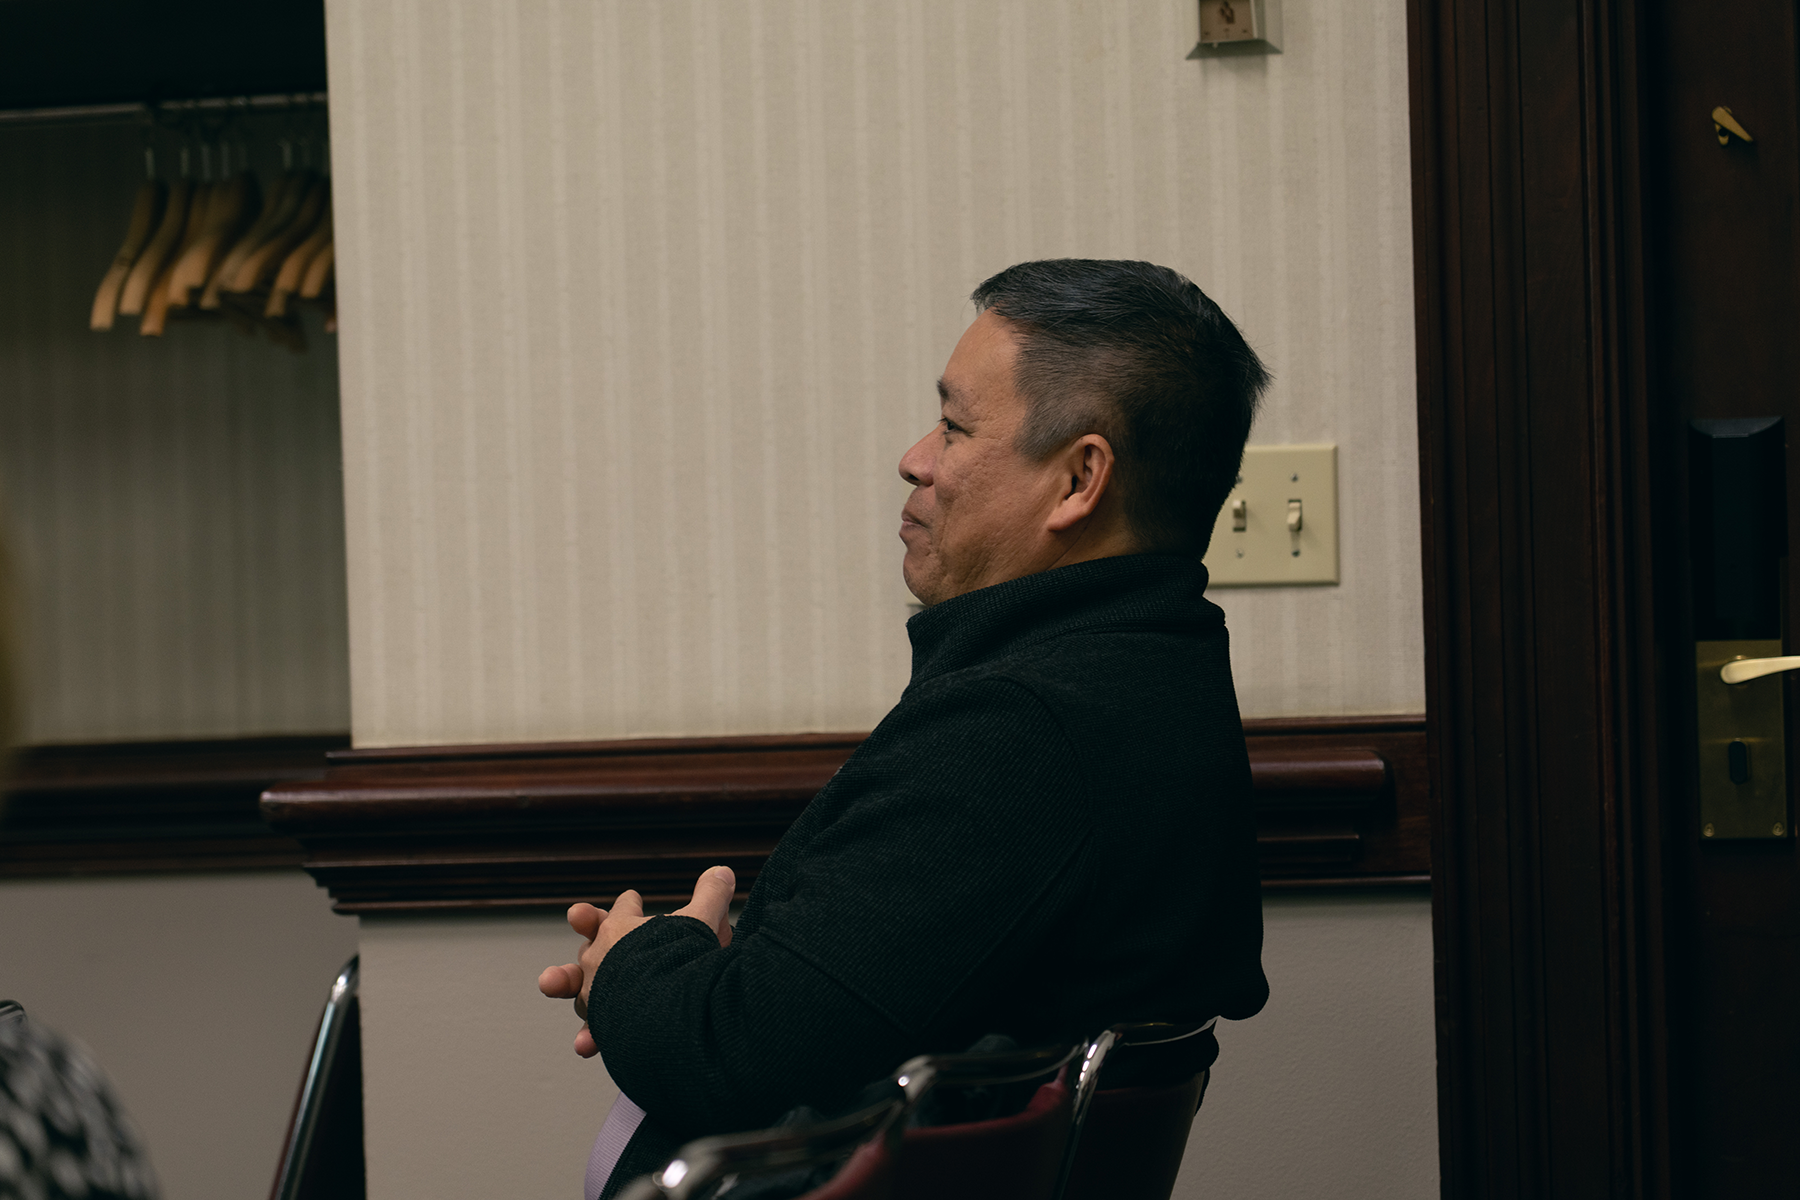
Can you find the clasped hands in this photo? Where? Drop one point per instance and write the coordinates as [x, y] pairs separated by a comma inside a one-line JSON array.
[[603, 929]]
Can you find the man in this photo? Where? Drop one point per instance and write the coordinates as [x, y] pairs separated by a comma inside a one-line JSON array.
[[1053, 830]]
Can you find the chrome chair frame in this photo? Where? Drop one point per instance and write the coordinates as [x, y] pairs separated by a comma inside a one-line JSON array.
[[312, 1090], [917, 1076], [707, 1161]]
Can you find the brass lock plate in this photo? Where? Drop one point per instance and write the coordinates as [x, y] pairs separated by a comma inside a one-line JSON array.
[[1743, 745]]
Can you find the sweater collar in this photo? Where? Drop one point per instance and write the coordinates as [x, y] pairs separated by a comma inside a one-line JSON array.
[[1139, 590]]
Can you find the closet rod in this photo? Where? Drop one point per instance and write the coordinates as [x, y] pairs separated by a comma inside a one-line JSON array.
[[138, 111]]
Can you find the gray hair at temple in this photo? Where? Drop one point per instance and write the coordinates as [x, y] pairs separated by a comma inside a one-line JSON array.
[[1141, 356]]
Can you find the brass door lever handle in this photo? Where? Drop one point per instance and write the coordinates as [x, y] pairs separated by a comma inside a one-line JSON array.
[[1726, 126], [1743, 670]]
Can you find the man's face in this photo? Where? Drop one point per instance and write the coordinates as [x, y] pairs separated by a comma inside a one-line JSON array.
[[977, 511]]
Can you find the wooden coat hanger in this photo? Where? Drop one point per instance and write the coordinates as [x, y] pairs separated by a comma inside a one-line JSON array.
[[266, 259], [318, 273], [233, 199], [283, 201], [293, 268], [168, 238], [146, 210], [156, 304]]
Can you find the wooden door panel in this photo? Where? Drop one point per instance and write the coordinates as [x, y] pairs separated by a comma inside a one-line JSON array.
[[1725, 342]]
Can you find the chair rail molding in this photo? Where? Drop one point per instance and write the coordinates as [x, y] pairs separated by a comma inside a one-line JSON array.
[[1341, 803], [151, 807]]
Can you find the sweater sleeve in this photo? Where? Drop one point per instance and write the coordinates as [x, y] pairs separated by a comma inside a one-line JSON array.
[[938, 871]]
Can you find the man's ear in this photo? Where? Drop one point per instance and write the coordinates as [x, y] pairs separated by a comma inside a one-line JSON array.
[[1086, 469]]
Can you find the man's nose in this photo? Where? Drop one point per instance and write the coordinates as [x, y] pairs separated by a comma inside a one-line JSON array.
[[915, 464]]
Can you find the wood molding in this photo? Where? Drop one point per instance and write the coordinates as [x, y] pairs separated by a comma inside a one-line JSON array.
[[1536, 484], [1341, 803], [134, 807]]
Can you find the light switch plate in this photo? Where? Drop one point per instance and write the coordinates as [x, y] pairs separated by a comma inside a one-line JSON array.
[[1232, 27], [1265, 553]]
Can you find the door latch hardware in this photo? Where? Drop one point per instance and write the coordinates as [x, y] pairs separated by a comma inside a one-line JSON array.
[[1737, 760], [1743, 670], [1743, 758], [1738, 494], [1727, 127]]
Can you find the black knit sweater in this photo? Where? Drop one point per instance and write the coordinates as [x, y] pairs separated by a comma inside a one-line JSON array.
[[1053, 831]]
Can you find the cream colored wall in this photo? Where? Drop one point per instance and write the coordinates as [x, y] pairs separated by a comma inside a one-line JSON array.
[[175, 505], [642, 302], [471, 1089], [198, 996]]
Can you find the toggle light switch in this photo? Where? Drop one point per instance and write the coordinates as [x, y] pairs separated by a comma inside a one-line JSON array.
[[1279, 525], [1229, 27]]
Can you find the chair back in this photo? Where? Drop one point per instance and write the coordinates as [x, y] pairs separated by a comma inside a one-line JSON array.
[[322, 1156], [864, 1137], [1016, 1156], [869, 1175], [1128, 1142]]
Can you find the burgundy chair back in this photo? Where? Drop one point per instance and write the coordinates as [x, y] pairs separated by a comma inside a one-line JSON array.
[[1132, 1142], [1016, 1157], [869, 1175]]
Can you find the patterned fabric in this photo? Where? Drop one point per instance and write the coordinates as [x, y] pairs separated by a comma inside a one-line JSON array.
[[62, 1134]]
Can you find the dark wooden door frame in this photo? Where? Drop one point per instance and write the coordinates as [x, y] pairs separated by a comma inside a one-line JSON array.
[[1538, 481]]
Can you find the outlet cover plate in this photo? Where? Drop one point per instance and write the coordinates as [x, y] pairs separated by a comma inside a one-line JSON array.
[[1265, 553]]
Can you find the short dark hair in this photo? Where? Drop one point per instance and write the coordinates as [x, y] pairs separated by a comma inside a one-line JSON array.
[[1138, 354]]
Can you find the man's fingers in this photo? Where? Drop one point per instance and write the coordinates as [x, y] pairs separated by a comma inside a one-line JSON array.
[[584, 1043], [561, 983], [712, 900], [629, 905], [585, 919]]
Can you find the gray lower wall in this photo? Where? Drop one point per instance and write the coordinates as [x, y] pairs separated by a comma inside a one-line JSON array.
[[471, 1088], [198, 996], [1330, 1093]]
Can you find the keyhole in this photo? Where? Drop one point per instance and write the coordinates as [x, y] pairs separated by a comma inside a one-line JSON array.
[[1737, 761], [1227, 13]]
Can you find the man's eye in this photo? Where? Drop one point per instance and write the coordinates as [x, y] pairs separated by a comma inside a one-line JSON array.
[[950, 426]]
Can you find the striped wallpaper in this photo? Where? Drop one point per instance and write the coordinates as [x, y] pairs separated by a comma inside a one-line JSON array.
[[643, 299], [175, 506]]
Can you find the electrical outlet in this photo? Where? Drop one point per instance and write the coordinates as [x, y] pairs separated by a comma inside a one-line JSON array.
[[1279, 525]]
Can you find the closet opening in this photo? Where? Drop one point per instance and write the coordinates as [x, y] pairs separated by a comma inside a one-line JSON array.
[[171, 500]]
